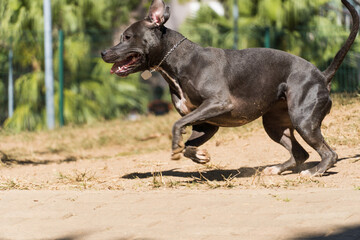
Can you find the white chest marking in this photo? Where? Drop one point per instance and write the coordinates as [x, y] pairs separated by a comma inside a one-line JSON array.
[[181, 104]]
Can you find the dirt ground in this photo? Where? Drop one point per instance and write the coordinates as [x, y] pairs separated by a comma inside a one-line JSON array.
[[115, 180]]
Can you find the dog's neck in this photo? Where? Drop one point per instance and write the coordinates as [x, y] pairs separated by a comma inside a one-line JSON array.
[[172, 64], [173, 54], [168, 53]]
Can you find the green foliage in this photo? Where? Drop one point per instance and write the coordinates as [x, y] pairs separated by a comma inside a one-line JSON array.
[[29, 98], [209, 29], [306, 28], [90, 93], [2, 101], [296, 27]]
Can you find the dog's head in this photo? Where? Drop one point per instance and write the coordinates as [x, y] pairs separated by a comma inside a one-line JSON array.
[[138, 41]]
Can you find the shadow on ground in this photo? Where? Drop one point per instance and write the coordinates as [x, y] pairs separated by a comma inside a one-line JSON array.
[[348, 233], [7, 160], [78, 237], [84, 236], [224, 174], [356, 157], [211, 175]]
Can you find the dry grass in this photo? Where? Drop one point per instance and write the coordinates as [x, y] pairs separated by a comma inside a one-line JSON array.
[[113, 139], [150, 132], [79, 141], [153, 133], [82, 180], [18, 184], [343, 127], [278, 198]]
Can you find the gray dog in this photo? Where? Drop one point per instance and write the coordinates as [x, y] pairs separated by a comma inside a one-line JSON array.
[[214, 88]]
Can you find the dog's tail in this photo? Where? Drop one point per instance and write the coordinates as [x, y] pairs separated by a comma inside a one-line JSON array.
[[335, 64]]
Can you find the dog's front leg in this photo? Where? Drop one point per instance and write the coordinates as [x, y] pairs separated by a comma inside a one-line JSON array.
[[201, 133], [207, 110]]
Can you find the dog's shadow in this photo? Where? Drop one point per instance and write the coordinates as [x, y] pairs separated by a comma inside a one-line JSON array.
[[209, 174], [356, 157], [225, 174], [8, 160]]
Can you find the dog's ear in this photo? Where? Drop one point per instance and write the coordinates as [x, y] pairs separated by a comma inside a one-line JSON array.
[[159, 13]]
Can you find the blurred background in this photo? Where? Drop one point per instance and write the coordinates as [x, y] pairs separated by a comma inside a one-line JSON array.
[[81, 29]]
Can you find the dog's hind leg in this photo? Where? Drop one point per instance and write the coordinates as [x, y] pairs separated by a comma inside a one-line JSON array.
[[307, 116], [201, 133], [278, 126]]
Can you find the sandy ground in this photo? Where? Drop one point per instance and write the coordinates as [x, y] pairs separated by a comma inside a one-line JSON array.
[[181, 214], [100, 193], [151, 197]]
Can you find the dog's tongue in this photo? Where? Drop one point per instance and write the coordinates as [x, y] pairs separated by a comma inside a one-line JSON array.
[[114, 68], [121, 66]]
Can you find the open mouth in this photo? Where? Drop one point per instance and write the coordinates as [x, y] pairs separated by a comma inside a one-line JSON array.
[[126, 66]]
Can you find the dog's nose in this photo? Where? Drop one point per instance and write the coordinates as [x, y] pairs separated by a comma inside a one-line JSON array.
[[103, 53]]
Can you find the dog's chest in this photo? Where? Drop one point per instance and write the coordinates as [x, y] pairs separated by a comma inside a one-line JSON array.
[[183, 105], [180, 99]]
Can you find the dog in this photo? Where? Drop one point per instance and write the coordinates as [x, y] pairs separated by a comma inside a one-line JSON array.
[[212, 88]]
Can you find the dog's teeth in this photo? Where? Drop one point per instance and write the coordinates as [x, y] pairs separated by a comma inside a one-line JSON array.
[[119, 69]]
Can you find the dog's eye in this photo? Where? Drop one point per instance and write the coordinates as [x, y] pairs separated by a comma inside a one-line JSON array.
[[127, 37]]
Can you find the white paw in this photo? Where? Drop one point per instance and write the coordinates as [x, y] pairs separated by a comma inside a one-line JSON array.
[[309, 173], [306, 173], [272, 170], [175, 156], [202, 155]]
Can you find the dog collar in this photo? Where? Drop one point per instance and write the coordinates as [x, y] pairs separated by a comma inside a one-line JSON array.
[[147, 74]]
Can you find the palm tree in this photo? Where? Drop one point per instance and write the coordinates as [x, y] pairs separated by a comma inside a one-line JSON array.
[[305, 28], [90, 92], [308, 28]]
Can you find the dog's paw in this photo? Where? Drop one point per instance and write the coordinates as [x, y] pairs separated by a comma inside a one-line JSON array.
[[178, 148], [175, 156], [200, 156], [311, 173], [305, 173], [176, 152], [274, 170]]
